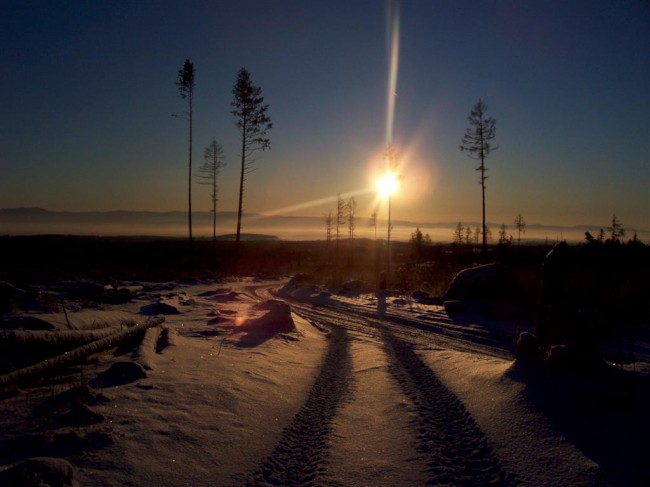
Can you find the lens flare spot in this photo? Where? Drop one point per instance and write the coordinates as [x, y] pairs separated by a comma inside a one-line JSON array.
[[387, 184]]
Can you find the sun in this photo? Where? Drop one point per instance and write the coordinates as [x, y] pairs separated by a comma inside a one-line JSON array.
[[387, 184]]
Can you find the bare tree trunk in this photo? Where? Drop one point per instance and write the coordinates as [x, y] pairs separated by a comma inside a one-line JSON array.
[[484, 250], [241, 200], [189, 196]]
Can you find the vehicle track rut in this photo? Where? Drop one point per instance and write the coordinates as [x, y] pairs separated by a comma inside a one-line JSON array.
[[453, 447], [300, 457], [456, 450]]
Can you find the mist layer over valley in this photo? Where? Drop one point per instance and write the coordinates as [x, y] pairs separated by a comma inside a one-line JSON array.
[[38, 221]]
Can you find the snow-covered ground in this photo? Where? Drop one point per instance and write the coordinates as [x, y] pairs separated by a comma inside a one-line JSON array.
[[349, 398]]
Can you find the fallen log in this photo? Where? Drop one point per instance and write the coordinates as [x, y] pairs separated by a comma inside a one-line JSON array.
[[144, 354], [48, 340], [78, 353]]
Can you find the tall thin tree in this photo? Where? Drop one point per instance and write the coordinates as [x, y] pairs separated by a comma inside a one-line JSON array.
[[340, 218], [520, 223], [340, 221], [253, 124], [208, 174], [477, 142], [373, 222], [352, 211], [185, 86], [328, 227]]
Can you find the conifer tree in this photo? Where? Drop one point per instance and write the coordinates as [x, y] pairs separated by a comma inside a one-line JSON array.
[[477, 142], [185, 86], [458, 234], [351, 207], [208, 175], [520, 223], [253, 124]]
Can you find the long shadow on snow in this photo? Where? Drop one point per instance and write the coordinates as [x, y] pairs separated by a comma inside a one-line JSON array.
[[603, 413], [58, 444], [253, 339]]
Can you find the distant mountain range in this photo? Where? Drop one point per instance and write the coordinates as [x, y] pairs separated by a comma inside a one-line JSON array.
[[36, 221]]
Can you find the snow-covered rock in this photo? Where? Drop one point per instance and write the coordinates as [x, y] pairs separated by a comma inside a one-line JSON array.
[[489, 281]]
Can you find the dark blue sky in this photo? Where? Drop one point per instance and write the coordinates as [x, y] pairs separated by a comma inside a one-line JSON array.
[[87, 90]]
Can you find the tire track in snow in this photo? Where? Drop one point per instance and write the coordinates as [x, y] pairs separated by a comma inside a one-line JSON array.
[[437, 333], [301, 453], [456, 449]]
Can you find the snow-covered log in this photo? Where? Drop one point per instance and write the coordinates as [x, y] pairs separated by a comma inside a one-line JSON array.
[[78, 353]]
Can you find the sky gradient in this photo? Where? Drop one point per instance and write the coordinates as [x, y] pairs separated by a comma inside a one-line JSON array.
[[88, 89]]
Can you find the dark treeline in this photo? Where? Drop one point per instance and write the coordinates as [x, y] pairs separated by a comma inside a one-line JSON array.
[[414, 265], [613, 276]]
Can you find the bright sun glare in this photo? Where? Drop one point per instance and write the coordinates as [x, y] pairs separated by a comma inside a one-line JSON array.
[[387, 184]]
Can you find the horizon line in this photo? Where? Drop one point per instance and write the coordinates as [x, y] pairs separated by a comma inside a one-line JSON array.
[[262, 215]]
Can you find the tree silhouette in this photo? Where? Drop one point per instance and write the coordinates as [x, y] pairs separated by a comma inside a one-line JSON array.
[[616, 231], [476, 142], [253, 124], [520, 223], [185, 86], [468, 236], [458, 234], [418, 242], [209, 175], [503, 235], [328, 227], [373, 222], [341, 213], [351, 207]]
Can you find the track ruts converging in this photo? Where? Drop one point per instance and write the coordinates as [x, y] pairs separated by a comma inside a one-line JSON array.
[[454, 448]]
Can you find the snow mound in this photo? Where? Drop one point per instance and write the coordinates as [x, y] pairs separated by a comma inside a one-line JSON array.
[[277, 320], [227, 298], [486, 281], [160, 308], [39, 471]]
